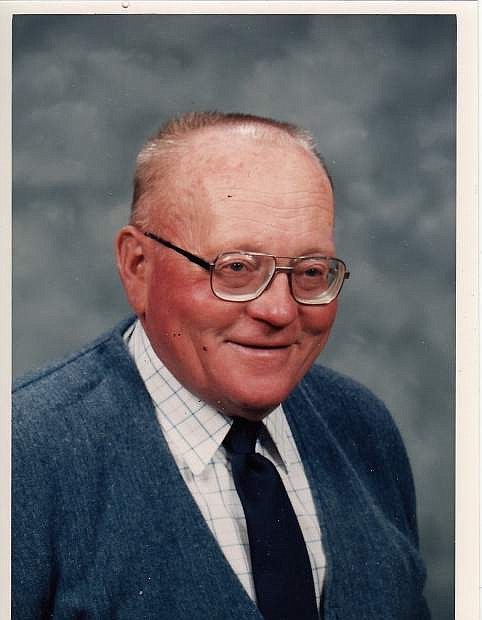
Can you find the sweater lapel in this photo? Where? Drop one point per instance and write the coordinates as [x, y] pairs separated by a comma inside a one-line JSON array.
[[199, 572]]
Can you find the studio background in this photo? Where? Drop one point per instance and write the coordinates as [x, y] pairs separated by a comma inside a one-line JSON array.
[[377, 91]]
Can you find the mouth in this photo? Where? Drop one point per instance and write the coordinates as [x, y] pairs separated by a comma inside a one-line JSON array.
[[257, 356], [261, 346]]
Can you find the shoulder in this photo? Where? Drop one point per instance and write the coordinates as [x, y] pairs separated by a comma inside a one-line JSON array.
[[71, 420], [340, 400], [51, 401], [66, 379], [358, 422]]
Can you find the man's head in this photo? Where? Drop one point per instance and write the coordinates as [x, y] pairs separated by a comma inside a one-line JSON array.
[[216, 183]]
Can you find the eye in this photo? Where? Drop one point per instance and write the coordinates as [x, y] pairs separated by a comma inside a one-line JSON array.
[[313, 269], [315, 272], [236, 267], [236, 264]]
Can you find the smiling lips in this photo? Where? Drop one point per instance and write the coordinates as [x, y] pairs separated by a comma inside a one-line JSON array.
[[262, 346]]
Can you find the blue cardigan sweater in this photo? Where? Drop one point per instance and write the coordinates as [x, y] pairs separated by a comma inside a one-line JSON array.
[[104, 526]]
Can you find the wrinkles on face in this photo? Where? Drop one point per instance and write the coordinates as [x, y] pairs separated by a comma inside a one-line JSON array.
[[279, 224], [280, 204]]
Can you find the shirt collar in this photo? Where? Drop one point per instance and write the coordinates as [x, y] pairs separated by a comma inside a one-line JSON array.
[[278, 429], [194, 430]]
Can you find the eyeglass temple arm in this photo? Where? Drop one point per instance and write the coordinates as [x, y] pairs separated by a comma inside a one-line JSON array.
[[192, 257]]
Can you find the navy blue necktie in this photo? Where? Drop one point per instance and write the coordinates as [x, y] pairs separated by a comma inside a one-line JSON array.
[[281, 567]]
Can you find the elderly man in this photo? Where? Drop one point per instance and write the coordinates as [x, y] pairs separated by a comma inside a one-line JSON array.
[[193, 463]]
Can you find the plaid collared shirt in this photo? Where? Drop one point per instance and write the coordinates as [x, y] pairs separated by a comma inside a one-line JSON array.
[[194, 432]]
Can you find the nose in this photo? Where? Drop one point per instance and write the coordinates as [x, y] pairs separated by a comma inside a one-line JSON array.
[[276, 304]]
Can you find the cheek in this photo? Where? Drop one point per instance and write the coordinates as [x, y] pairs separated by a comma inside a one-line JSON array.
[[189, 316], [174, 328], [317, 325], [319, 319]]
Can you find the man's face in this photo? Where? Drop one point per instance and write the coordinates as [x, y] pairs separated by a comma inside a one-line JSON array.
[[236, 193]]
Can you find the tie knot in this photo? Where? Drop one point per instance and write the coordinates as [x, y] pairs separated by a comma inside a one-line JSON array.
[[241, 438]]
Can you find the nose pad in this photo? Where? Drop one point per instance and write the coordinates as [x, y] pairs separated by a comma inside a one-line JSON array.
[[279, 271]]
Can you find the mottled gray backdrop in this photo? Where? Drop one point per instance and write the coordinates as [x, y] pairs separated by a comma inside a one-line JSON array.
[[378, 91]]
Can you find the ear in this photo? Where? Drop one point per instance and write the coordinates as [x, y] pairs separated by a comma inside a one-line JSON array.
[[132, 265]]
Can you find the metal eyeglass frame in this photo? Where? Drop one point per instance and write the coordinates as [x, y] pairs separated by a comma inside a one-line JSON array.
[[287, 269]]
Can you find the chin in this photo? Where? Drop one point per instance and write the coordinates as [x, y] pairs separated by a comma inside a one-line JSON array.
[[256, 403]]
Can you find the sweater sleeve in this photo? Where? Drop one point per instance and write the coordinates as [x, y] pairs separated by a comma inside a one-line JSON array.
[[34, 521]]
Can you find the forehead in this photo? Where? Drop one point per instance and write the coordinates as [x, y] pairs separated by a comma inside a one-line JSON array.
[[234, 155], [232, 185]]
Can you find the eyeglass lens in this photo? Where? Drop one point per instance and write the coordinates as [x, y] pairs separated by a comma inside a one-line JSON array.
[[243, 276]]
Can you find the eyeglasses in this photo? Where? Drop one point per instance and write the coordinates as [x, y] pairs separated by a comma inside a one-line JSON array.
[[244, 276]]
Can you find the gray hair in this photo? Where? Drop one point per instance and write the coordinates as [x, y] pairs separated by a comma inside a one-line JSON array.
[[155, 159]]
